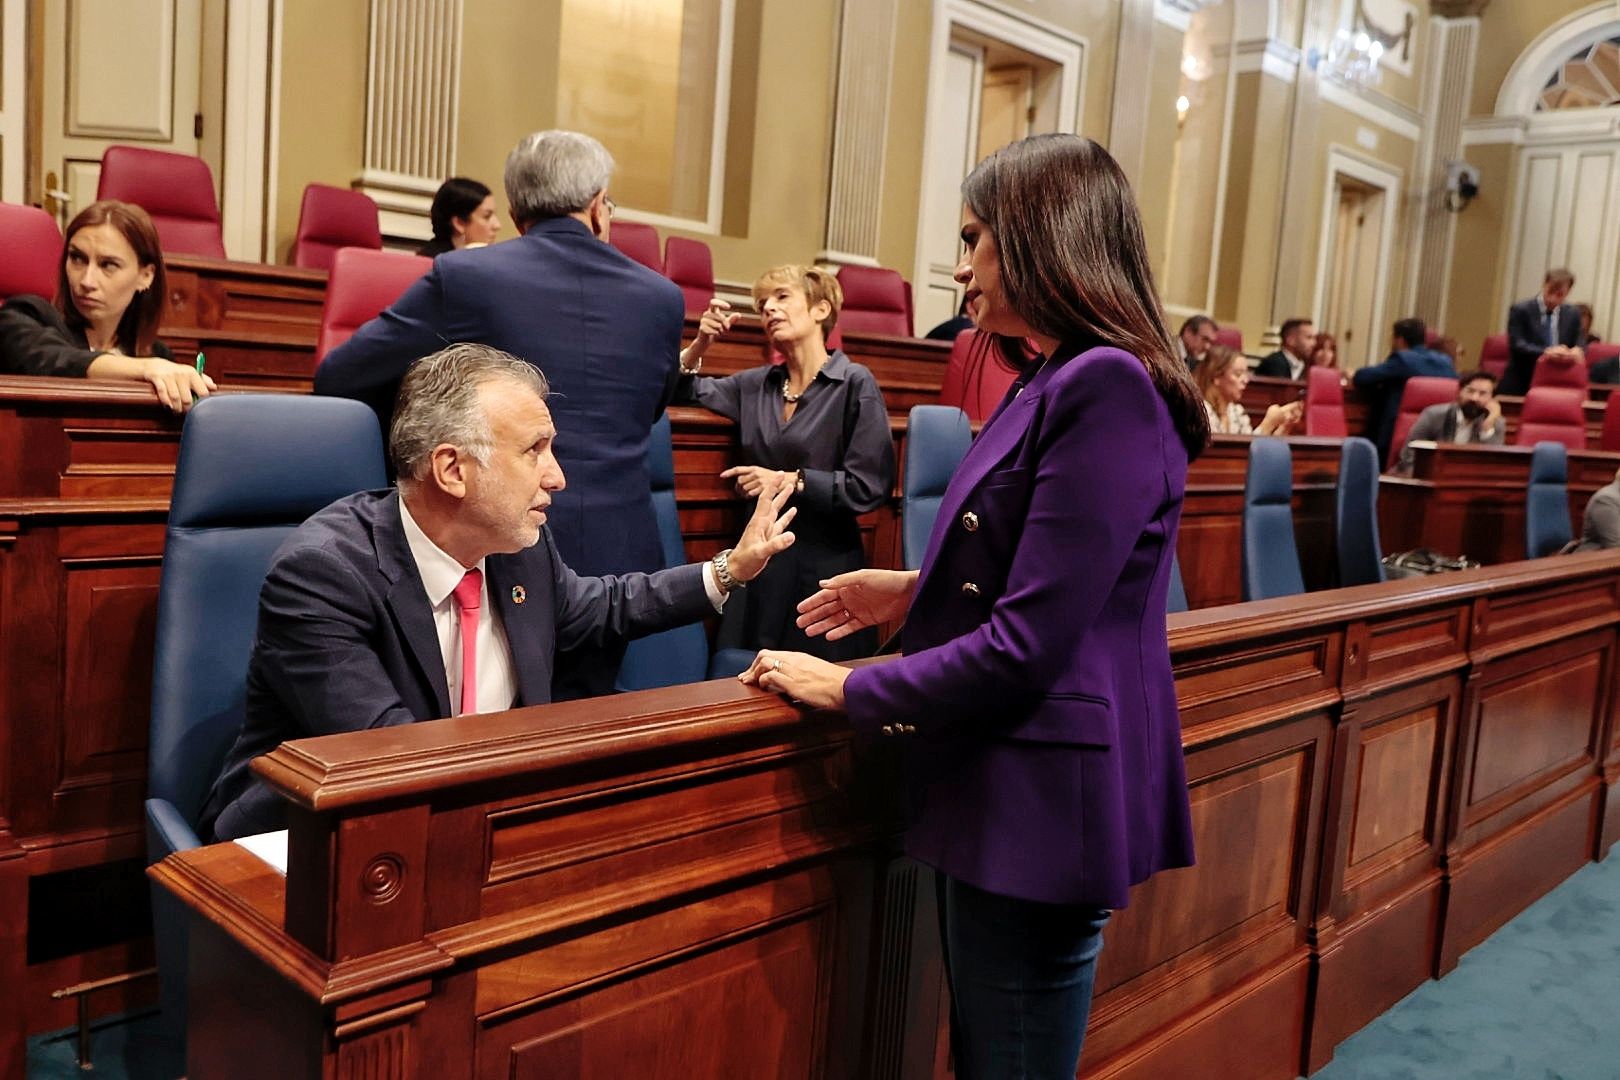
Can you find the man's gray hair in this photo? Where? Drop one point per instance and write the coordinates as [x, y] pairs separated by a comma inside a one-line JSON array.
[[552, 173], [438, 403]]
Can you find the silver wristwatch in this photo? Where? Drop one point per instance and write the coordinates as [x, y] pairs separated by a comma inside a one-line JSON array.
[[722, 572]]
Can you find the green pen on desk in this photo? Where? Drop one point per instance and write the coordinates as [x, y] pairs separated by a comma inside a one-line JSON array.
[[200, 361]]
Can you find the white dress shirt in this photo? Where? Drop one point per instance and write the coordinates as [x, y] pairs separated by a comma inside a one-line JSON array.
[[497, 678]]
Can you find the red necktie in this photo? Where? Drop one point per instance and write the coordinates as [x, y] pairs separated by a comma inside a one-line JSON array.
[[468, 599]]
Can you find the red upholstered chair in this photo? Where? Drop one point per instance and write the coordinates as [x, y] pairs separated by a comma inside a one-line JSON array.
[[1601, 350], [177, 190], [1324, 403], [361, 284], [1231, 337], [689, 264], [874, 301], [1555, 371], [33, 246], [976, 379], [1493, 354], [638, 241], [332, 218], [1418, 394], [1609, 440], [1553, 414]]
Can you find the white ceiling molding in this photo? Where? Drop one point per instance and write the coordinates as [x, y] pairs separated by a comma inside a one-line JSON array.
[[1390, 115]]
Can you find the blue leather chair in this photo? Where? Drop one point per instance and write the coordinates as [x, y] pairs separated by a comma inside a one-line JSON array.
[[680, 655], [1547, 526], [1176, 599], [937, 439], [252, 467], [1361, 556], [1270, 556]]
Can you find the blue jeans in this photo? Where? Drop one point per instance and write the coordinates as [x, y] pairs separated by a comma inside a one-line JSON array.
[[1020, 974]]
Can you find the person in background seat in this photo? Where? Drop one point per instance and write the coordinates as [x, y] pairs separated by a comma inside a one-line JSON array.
[[1475, 417], [1221, 379], [463, 215], [110, 292], [1290, 361], [1383, 383]]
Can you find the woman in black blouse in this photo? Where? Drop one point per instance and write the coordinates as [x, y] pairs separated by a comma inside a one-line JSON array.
[[463, 213], [103, 325], [815, 420]]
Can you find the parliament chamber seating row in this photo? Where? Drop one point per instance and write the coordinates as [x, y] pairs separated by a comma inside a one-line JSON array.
[[82, 513]]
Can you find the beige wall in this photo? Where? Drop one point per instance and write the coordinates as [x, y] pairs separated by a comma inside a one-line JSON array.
[[780, 135], [1505, 31], [323, 104]]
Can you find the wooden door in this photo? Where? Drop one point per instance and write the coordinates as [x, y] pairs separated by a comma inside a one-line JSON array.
[[115, 72], [952, 147]]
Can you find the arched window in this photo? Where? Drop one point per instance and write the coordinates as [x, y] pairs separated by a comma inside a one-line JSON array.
[[1588, 79]]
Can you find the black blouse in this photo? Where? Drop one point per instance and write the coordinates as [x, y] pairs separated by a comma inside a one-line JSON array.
[[36, 340]]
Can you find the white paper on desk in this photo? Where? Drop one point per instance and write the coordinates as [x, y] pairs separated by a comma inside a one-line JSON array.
[[271, 847]]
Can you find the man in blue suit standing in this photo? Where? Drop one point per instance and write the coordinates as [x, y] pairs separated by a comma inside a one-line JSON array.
[[605, 330], [1384, 382]]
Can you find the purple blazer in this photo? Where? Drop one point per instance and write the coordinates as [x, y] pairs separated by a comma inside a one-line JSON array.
[[1034, 694]]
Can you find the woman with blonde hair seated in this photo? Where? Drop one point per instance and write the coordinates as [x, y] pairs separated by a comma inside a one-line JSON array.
[[1221, 378], [816, 421], [103, 324]]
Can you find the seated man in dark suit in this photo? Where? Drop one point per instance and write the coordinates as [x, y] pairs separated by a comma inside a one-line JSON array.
[[1290, 361], [605, 330], [1197, 335], [1475, 417], [1541, 324], [447, 597], [1383, 383]]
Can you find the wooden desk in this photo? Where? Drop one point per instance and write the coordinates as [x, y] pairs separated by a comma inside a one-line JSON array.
[[700, 882], [1264, 391], [1210, 546], [257, 323], [1470, 499]]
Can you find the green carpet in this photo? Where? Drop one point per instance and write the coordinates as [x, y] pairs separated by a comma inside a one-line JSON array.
[[1539, 1000]]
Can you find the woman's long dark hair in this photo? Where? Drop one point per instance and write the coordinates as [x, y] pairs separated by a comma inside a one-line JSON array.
[[1074, 262], [457, 197], [138, 326]]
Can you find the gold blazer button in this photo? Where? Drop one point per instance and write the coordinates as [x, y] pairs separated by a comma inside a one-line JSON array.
[[970, 521], [969, 589], [887, 729]]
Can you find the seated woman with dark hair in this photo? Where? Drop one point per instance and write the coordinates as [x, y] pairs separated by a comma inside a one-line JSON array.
[[109, 299], [817, 421], [463, 214]]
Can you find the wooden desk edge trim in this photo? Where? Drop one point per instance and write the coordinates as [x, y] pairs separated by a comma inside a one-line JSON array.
[[335, 771], [1207, 627]]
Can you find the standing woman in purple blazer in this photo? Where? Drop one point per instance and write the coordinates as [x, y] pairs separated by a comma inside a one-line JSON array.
[[1034, 695]]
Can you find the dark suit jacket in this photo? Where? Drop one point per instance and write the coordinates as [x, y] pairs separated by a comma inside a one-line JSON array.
[[36, 340], [1527, 339], [1605, 371], [1275, 366], [1043, 746], [605, 330], [346, 639], [1384, 382]]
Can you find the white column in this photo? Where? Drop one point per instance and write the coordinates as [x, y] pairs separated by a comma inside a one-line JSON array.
[[1454, 45], [251, 54], [860, 129], [412, 99]]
